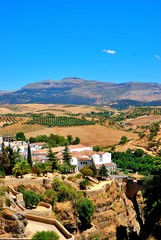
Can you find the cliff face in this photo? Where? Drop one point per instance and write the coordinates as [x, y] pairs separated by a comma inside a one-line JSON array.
[[12, 224], [115, 216]]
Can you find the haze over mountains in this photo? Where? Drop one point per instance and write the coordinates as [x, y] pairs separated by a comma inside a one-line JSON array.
[[89, 92]]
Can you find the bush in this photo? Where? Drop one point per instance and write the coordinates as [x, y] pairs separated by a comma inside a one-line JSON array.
[[78, 175], [63, 191], [84, 183], [66, 192], [85, 210], [138, 153], [50, 196], [123, 140], [86, 171], [141, 134], [30, 197], [46, 235], [20, 136]]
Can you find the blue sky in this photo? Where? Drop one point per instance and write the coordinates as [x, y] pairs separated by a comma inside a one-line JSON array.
[[106, 40]]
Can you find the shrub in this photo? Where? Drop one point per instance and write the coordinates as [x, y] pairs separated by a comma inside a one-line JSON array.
[[50, 196], [123, 140], [78, 175], [62, 190], [84, 183], [30, 197], [85, 210], [103, 171], [86, 171], [20, 136], [138, 153], [66, 192], [45, 235], [141, 134]]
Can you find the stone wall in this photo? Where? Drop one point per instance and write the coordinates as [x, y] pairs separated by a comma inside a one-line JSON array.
[[46, 211], [93, 194], [54, 222]]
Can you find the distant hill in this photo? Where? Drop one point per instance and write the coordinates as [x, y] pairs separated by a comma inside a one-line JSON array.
[[89, 92]]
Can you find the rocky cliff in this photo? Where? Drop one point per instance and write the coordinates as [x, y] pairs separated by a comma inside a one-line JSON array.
[[115, 217], [12, 224]]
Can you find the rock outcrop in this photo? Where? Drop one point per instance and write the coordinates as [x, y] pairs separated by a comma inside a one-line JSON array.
[[115, 216], [13, 223], [66, 214]]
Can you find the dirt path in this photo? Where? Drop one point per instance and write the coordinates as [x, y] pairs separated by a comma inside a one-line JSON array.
[[99, 186], [33, 227]]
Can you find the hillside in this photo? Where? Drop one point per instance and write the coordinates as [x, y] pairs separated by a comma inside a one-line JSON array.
[[79, 91]]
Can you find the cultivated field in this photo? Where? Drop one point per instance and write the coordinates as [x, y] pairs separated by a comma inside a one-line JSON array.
[[144, 120], [89, 135], [50, 108]]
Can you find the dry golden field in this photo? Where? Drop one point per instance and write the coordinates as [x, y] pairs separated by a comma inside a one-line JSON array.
[[89, 135], [144, 120], [57, 109]]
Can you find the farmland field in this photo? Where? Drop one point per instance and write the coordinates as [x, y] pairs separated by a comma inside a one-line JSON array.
[[145, 120], [89, 135]]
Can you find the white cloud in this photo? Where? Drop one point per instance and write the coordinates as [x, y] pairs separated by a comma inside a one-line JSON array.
[[157, 57], [109, 51]]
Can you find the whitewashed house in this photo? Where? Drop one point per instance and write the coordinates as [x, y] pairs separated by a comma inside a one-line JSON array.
[[80, 159], [101, 157]]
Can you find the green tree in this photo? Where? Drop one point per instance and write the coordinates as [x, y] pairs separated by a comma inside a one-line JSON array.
[[11, 159], [50, 196], [138, 153], [45, 167], [70, 139], [84, 183], [96, 148], [93, 168], [86, 171], [52, 158], [65, 168], [45, 235], [21, 168], [31, 198], [66, 155], [14, 156], [29, 157], [76, 141], [85, 210], [2, 193], [20, 136], [152, 196], [103, 171], [4, 159], [123, 140]]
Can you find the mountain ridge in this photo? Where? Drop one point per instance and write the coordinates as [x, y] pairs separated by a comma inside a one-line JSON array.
[[73, 90]]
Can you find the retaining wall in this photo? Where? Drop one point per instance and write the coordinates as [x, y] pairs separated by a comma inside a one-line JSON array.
[[54, 222], [96, 193]]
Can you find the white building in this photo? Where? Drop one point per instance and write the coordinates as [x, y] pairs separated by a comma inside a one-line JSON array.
[[80, 159]]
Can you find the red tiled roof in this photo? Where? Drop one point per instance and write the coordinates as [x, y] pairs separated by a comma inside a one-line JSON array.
[[88, 153], [71, 147]]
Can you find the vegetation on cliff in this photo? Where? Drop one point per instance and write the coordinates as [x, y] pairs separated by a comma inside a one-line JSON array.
[[152, 196]]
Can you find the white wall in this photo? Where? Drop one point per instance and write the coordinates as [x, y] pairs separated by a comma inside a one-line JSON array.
[[74, 162], [101, 158]]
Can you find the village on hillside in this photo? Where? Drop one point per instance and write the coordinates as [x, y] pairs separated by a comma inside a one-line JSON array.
[[80, 155]]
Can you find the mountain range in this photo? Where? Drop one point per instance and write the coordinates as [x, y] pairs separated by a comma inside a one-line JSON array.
[[89, 92]]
